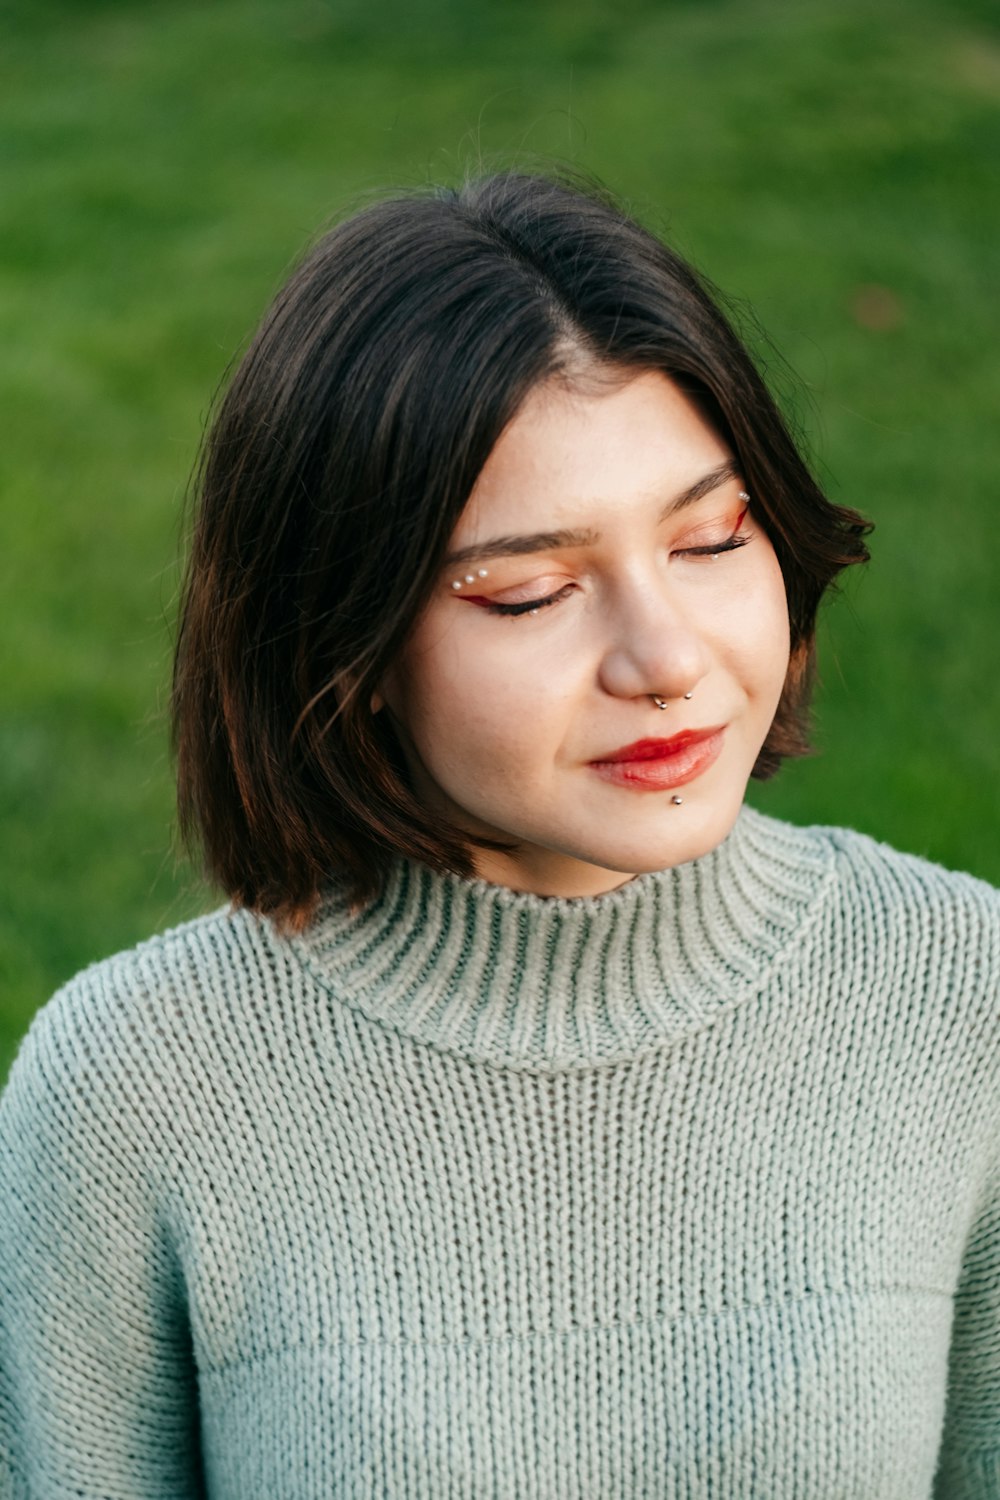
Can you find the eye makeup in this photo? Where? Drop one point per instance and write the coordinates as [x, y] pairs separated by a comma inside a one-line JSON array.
[[470, 578], [529, 607], [712, 550]]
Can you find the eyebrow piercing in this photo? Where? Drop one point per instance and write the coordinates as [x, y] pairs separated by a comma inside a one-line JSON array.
[[470, 578], [714, 556], [484, 573]]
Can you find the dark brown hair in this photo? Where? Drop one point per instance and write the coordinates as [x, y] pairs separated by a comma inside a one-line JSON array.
[[339, 461]]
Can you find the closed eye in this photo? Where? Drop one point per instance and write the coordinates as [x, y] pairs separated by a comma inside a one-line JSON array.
[[713, 549], [730, 545], [532, 606], [529, 606]]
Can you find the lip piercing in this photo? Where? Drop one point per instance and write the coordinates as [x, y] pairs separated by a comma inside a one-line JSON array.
[[677, 801]]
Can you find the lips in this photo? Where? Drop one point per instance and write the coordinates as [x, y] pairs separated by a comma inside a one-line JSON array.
[[657, 765]]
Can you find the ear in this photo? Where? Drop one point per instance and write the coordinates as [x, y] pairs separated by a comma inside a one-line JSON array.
[[384, 691]]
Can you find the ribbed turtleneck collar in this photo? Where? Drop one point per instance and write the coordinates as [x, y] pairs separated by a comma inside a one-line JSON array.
[[532, 981]]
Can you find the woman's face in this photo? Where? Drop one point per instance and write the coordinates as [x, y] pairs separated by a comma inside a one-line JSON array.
[[605, 556]]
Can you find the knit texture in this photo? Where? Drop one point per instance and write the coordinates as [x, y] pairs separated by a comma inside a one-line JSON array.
[[688, 1190]]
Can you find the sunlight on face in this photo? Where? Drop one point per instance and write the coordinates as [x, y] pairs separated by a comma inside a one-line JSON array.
[[620, 563]]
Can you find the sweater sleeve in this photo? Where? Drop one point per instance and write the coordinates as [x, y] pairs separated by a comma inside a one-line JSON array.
[[969, 1460], [98, 1395]]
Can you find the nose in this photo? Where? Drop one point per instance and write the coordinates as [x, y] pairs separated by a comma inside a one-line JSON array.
[[654, 647]]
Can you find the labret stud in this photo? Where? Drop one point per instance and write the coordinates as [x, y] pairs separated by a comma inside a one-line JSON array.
[[677, 801]]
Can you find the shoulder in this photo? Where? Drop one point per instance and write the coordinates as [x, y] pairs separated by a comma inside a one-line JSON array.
[[901, 959], [176, 974], [862, 869], [892, 883], [126, 1034], [898, 923], [880, 912]]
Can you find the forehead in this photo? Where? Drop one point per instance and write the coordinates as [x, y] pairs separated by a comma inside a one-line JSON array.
[[580, 458]]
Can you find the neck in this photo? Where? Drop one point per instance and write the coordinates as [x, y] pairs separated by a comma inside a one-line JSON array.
[[524, 980], [547, 874]]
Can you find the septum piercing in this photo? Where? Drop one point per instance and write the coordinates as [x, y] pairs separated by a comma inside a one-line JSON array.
[[484, 573], [660, 702]]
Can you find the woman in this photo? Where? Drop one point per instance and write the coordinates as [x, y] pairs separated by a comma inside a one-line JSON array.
[[537, 1120]]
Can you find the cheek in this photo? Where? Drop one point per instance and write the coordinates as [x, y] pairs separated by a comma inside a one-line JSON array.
[[757, 630], [507, 668], [468, 710], [776, 642], [779, 598]]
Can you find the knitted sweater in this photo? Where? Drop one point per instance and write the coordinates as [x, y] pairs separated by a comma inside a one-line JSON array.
[[687, 1190]]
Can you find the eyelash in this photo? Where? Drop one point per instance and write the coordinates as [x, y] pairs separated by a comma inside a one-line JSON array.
[[737, 540]]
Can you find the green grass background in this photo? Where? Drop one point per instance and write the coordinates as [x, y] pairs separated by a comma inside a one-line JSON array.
[[162, 166]]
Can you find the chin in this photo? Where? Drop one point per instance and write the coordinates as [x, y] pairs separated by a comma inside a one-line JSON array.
[[698, 834]]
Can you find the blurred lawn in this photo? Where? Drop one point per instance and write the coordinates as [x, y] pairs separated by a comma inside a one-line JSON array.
[[830, 164]]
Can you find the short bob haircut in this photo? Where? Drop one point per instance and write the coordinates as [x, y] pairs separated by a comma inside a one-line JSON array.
[[337, 465]]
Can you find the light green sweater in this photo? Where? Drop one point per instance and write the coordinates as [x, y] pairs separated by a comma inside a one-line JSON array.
[[689, 1190]]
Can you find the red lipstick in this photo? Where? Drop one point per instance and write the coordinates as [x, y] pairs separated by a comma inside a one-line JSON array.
[[658, 765]]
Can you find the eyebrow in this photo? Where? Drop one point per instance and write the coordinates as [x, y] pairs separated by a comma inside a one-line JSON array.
[[550, 541]]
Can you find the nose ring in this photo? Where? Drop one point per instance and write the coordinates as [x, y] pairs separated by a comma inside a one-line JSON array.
[[662, 702]]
